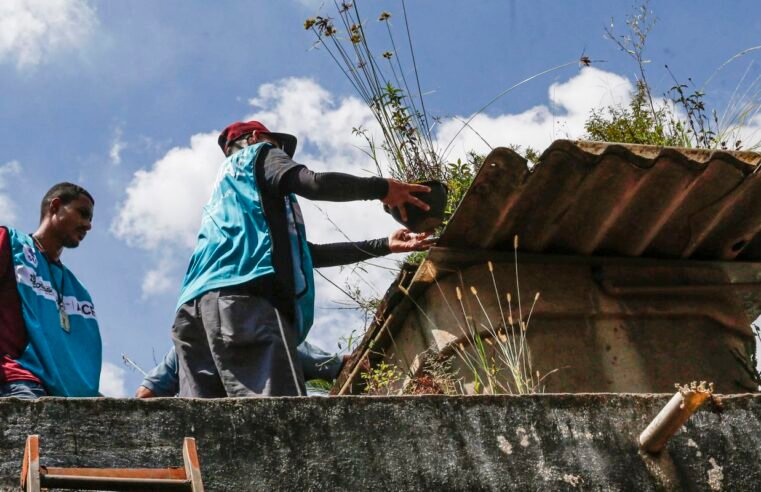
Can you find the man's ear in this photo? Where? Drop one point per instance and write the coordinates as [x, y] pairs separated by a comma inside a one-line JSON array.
[[55, 205]]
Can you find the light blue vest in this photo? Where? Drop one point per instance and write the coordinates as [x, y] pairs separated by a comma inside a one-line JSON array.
[[67, 363], [234, 244]]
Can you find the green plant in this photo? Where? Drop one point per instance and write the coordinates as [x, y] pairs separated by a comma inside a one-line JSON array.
[[683, 118], [496, 353], [379, 78], [635, 124], [459, 177], [397, 104], [382, 379], [319, 386], [436, 376], [634, 43]]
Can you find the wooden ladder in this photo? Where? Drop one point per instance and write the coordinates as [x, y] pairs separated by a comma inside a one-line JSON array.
[[35, 477]]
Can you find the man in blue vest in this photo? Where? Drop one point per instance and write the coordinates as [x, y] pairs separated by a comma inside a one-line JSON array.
[[247, 300], [49, 338]]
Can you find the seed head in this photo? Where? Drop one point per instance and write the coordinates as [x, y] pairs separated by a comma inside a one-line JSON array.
[[384, 16], [459, 294], [309, 23], [473, 290], [515, 242], [387, 55], [491, 266]]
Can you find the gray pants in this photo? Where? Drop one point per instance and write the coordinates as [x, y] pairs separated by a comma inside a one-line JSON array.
[[229, 343]]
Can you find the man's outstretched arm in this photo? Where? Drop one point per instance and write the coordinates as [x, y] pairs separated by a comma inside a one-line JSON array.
[[336, 254], [286, 176]]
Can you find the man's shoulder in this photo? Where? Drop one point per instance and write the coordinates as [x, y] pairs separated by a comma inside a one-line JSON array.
[[7, 233], [8, 230]]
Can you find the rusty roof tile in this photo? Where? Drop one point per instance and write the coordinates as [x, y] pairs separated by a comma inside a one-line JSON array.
[[590, 198]]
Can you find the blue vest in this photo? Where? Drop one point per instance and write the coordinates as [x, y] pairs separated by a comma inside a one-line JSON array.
[[234, 244], [67, 362]]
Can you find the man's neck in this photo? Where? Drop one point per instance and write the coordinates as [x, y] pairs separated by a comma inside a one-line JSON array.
[[51, 246]]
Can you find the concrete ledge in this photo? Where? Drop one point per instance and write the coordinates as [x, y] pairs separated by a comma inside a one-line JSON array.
[[557, 442]]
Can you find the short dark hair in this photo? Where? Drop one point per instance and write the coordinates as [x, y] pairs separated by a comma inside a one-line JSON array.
[[66, 192]]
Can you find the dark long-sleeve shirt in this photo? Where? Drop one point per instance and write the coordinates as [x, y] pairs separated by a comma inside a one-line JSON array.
[[278, 175]]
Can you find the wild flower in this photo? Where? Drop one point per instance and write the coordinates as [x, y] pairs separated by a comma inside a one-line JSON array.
[[496, 354], [382, 379], [395, 102]]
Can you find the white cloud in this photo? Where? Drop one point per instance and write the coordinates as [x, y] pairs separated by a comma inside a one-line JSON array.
[[117, 145], [311, 4], [166, 274], [564, 117], [163, 204], [7, 207], [323, 124], [33, 30], [112, 381]]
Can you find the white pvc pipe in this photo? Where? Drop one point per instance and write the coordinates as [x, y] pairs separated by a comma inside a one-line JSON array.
[[676, 412]]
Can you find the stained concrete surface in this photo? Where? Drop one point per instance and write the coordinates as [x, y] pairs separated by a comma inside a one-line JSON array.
[[543, 442]]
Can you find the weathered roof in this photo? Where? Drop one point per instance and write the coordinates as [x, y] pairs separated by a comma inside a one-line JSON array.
[[587, 198], [590, 198]]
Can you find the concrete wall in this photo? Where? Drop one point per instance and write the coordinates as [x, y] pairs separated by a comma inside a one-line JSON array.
[[547, 442]]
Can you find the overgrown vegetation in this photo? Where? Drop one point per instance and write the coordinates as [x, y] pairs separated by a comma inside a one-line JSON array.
[[380, 79], [435, 377], [495, 353], [382, 379], [635, 124], [682, 117], [498, 355]]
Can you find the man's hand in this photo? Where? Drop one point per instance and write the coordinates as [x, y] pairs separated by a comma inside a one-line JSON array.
[[400, 193], [404, 241], [143, 392]]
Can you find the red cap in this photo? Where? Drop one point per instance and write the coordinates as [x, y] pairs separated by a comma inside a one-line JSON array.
[[239, 129]]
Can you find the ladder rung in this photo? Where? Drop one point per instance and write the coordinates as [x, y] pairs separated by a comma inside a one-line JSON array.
[[171, 473], [113, 483], [35, 477]]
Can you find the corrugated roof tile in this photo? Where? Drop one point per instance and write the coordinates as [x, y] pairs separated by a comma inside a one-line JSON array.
[[590, 198]]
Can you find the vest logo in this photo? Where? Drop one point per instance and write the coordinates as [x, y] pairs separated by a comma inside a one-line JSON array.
[[30, 255], [42, 288]]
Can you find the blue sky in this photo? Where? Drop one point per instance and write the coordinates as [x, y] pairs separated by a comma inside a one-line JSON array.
[[126, 98]]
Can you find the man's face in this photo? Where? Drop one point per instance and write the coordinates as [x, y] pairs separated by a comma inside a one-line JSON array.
[[266, 137], [72, 220]]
